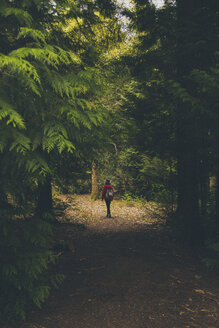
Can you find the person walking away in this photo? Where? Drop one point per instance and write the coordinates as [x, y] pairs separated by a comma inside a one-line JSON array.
[[107, 194]]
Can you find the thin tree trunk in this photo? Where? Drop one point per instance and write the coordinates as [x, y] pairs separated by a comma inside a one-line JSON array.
[[204, 191], [204, 165], [94, 178], [204, 187], [217, 198]]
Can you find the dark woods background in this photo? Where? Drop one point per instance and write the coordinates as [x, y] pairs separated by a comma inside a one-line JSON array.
[[91, 90]]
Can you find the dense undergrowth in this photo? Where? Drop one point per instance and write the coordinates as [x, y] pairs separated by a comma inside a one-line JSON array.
[[26, 254]]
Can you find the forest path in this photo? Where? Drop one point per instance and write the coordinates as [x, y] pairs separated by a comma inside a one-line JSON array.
[[125, 272]]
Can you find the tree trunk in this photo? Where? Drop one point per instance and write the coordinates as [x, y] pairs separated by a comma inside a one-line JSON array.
[[204, 184], [217, 198], [44, 200], [94, 178], [204, 190], [189, 222]]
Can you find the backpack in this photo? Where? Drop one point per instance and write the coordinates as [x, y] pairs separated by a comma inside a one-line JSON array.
[[109, 194]]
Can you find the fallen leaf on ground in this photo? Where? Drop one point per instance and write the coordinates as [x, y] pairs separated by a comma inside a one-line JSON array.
[[188, 309], [205, 310], [200, 291], [197, 277]]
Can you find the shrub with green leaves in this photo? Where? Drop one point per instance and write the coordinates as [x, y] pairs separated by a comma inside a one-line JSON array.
[[25, 255]]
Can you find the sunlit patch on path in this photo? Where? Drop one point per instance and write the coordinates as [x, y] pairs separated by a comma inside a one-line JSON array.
[[125, 215]]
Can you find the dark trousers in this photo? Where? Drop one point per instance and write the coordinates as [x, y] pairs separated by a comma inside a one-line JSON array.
[[108, 206]]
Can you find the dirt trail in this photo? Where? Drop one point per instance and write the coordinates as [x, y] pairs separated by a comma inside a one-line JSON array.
[[125, 272]]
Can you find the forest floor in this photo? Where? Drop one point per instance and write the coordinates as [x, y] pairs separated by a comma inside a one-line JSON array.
[[125, 272]]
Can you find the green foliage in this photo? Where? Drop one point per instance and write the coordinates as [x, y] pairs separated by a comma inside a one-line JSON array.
[[173, 121], [128, 197], [55, 135], [48, 107], [21, 143], [136, 176], [10, 115], [46, 81], [21, 15], [25, 257], [16, 67], [35, 34]]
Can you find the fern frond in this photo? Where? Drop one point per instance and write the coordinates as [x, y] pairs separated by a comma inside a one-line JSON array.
[[40, 294], [34, 163], [181, 93], [48, 55], [93, 118], [52, 128], [68, 86], [36, 35], [74, 58], [12, 116], [69, 57], [86, 122], [22, 67], [55, 136], [45, 56], [72, 114], [83, 103], [58, 142], [22, 16], [64, 57], [20, 142]]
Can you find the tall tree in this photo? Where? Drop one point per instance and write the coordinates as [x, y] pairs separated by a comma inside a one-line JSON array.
[[195, 55], [47, 102], [175, 64]]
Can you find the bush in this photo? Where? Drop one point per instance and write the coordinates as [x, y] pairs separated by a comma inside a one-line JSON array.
[[25, 255], [129, 197]]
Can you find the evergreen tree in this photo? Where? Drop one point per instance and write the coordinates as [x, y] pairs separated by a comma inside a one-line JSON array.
[[175, 65], [196, 50]]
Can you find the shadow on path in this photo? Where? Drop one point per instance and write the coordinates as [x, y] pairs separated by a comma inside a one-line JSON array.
[[133, 278]]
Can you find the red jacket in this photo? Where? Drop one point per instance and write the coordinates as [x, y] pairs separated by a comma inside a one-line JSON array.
[[104, 190]]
